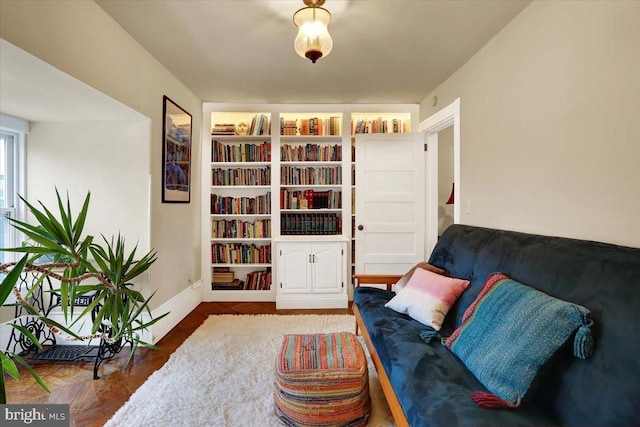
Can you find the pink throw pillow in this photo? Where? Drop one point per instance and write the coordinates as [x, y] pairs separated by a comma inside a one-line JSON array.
[[427, 297], [400, 284]]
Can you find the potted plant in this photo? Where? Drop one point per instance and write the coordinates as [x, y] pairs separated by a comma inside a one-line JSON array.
[[102, 269]]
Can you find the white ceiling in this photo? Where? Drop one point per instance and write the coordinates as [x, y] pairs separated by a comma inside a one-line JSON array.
[[385, 51]]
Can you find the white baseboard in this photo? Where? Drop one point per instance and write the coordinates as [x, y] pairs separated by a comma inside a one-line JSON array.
[[178, 308]]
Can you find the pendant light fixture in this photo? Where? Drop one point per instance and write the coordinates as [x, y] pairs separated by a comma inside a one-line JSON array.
[[313, 40]]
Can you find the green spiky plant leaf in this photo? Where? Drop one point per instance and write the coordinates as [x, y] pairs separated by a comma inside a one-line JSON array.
[[60, 237], [8, 366]]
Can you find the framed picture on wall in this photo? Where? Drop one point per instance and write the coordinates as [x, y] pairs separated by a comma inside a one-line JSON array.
[[176, 153]]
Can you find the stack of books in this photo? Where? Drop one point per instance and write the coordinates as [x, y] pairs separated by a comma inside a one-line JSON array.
[[224, 279], [223, 129]]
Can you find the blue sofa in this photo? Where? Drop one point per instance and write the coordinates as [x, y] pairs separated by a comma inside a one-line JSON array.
[[427, 385]]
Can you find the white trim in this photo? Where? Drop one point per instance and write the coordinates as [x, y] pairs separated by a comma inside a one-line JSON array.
[[178, 308], [16, 176], [14, 124], [448, 116]]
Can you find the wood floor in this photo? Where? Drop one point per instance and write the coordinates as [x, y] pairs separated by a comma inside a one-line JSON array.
[[91, 402]]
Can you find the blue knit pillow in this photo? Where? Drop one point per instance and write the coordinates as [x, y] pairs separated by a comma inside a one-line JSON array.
[[509, 332]]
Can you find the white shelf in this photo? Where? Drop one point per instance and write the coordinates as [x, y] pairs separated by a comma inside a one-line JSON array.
[[311, 163], [240, 215], [240, 138], [314, 138], [238, 164], [310, 210], [310, 186], [241, 239], [241, 265], [240, 186]]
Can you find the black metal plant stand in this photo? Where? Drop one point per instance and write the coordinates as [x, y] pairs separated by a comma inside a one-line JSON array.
[[19, 344]]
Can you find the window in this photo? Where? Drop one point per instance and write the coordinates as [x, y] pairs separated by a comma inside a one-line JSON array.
[[11, 183]]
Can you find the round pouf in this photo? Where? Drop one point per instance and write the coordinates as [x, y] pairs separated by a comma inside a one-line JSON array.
[[322, 380]]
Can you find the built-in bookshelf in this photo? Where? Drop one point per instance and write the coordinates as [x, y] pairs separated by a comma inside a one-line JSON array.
[[311, 174], [275, 171], [240, 202]]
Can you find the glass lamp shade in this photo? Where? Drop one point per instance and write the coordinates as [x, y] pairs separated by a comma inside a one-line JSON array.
[[313, 40]]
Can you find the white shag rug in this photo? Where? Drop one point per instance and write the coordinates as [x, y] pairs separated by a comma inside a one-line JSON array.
[[222, 375]]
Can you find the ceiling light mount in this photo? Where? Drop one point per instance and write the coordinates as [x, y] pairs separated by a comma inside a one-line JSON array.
[[313, 40]]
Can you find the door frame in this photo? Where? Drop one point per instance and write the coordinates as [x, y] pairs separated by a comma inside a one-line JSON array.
[[448, 116]]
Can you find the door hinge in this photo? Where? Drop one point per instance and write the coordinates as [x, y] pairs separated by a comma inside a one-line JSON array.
[[426, 147], [341, 251], [343, 284], [280, 285], [280, 251]]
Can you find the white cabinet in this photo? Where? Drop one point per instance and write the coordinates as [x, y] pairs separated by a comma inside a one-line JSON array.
[[312, 272]]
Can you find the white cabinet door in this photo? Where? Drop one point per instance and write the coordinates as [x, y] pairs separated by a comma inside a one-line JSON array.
[[295, 268], [390, 202], [311, 274], [328, 260]]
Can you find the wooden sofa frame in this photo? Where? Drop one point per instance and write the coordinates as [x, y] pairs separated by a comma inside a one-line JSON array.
[[390, 395]]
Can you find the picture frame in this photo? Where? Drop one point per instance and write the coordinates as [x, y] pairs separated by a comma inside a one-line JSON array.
[[176, 153]]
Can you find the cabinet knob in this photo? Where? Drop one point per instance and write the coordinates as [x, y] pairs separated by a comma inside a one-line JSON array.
[[361, 227]]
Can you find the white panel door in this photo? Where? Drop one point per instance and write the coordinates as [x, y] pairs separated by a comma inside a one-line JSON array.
[[390, 202], [327, 267]]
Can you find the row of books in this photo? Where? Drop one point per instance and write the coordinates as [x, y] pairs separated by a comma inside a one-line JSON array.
[[258, 281], [234, 229], [240, 152], [310, 153], [240, 253], [259, 126], [310, 223], [310, 199], [308, 175], [255, 280], [311, 126], [241, 176], [380, 126], [241, 205]]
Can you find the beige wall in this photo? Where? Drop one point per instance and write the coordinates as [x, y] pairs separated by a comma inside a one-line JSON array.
[[79, 38], [101, 157], [550, 122]]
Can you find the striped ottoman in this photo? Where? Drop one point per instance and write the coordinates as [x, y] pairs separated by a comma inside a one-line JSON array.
[[322, 380]]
